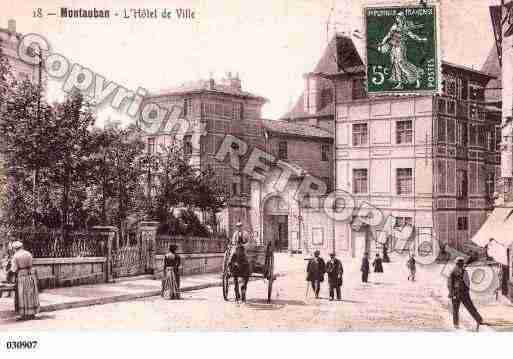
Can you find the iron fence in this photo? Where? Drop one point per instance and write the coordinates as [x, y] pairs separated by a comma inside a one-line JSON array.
[[55, 244], [190, 245]]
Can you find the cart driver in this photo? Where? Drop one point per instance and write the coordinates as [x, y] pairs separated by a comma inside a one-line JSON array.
[[239, 237]]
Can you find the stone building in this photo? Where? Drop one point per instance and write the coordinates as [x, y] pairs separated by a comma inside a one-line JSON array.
[[429, 161], [225, 109]]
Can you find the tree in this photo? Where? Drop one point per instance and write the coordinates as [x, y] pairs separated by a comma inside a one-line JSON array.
[[175, 180], [71, 146], [117, 171]]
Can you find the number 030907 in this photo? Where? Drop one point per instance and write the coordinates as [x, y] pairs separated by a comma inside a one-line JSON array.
[[21, 344]]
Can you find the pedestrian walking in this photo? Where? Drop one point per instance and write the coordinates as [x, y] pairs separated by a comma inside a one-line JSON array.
[[171, 280], [365, 267], [386, 258], [26, 295], [378, 267], [412, 267], [335, 272], [459, 293], [239, 268], [315, 272]]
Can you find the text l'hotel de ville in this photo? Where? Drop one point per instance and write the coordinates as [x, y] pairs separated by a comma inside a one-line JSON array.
[[126, 13]]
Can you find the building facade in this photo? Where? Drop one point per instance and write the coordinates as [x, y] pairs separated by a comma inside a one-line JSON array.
[[428, 161]]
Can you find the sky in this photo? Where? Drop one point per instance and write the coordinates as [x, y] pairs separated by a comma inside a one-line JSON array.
[[270, 43]]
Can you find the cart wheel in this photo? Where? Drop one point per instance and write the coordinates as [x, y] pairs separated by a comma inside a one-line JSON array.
[[226, 284], [270, 279]]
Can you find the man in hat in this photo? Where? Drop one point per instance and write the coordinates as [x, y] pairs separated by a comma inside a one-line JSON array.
[[26, 302], [365, 267], [459, 293], [315, 272], [335, 271], [239, 237]]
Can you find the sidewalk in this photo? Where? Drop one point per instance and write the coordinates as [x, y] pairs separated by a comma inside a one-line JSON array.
[[94, 294], [129, 289]]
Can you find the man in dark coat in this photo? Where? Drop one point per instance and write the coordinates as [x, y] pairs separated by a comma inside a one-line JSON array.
[[365, 267], [239, 268], [315, 272], [459, 293], [335, 271]]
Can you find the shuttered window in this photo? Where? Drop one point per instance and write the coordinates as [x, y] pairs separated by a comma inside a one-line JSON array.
[[404, 181]]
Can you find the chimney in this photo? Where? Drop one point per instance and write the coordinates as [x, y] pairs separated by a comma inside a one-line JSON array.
[[211, 84], [235, 82], [11, 26]]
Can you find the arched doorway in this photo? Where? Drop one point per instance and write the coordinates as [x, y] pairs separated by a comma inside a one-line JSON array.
[[275, 222]]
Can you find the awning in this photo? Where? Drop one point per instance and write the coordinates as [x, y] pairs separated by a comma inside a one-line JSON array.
[[496, 234]]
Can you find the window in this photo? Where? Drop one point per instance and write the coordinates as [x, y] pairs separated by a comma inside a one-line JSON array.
[[400, 222], [325, 150], [472, 135], [490, 184], [404, 131], [282, 150], [404, 181], [450, 87], [441, 129], [441, 176], [498, 138], [462, 184], [451, 130], [187, 145], [481, 136], [326, 96], [462, 223], [187, 107], [475, 92], [151, 144], [360, 180], [358, 89], [463, 134], [238, 111], [328, 184], [360, 135]]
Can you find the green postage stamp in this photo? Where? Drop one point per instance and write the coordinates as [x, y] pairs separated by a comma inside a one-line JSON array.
[[402, 49]]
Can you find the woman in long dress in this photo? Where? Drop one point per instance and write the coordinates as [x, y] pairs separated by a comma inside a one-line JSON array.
[[171, 280], [26, 300], [394, 43]]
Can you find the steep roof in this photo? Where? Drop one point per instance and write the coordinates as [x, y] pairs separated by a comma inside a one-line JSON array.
[[492, 67], [340, 56], [294, 129]]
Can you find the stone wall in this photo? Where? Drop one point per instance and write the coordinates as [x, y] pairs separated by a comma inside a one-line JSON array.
[[193, 264], [65, 272]]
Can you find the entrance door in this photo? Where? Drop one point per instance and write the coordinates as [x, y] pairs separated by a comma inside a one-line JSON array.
[[283, 235]]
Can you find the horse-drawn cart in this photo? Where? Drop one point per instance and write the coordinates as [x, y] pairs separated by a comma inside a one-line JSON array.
[[261, 265]]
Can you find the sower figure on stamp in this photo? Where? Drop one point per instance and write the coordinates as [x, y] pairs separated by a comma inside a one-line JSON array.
[[459, 293], [365, 267], [239, 268], [335, 271], [26, 299], [171, 281], [315, 272]]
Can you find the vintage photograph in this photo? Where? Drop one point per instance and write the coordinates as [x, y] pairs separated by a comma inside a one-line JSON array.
[[275, 166]]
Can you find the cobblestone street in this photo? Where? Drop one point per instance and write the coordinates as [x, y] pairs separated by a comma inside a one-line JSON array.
[[395, 304]]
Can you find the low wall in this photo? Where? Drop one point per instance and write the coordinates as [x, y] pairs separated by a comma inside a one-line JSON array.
[[65, 272], [193, 263]]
